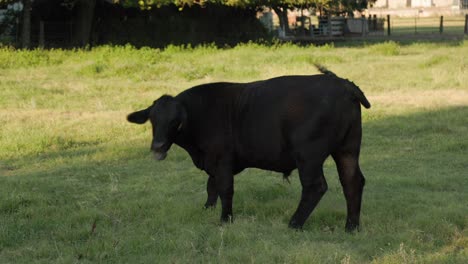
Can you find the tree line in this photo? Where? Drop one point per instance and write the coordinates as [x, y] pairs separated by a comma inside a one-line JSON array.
[[85, 11]]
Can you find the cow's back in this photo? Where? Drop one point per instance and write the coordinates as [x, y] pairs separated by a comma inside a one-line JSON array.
[[283, 111]]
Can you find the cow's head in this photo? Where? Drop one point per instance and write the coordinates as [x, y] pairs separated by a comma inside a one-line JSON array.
[[167, 116]]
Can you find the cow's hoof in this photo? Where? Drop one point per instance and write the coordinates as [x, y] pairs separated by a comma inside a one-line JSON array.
[[209, 206], [227, 219], [352, 228], [294, 225]]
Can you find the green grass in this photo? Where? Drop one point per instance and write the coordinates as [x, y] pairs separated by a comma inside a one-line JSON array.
[[78, 185]]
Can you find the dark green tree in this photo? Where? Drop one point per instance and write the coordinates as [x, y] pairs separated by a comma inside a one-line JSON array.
[[280, 7], [83, 25], [26, 21], [85, 11]]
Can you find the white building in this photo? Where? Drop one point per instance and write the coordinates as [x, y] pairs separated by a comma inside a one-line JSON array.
[[392, 4], [419, 7]]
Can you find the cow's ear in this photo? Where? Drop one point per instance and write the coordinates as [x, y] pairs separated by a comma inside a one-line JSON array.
[[139, 117]]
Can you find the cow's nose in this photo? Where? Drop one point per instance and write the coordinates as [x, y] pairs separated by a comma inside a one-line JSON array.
[[156, 145]]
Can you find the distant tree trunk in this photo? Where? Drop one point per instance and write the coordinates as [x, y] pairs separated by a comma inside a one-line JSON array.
[[26, 27], [84, 22], [282, 13]]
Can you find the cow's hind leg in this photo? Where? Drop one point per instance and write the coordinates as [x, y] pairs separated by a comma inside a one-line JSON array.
[[352, 181], [314, 185]]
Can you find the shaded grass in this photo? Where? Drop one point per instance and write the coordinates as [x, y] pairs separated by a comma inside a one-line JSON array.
[[78, 183]]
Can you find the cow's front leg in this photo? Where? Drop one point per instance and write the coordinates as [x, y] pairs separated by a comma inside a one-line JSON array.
[[225, 188], [212, 192]]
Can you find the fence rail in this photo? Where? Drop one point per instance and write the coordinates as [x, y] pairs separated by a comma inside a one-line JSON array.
[[427, 25]]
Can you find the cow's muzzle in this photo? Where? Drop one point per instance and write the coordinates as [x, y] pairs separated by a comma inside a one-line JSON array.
[[158, 150], [160, 155]]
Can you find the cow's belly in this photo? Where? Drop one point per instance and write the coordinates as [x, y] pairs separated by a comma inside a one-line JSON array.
[[279, 162], [283, 166]]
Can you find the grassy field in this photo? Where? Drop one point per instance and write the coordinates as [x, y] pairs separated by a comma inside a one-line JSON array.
[[78, 184]]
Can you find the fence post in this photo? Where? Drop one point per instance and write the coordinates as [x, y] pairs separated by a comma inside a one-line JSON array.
[[415, 25], [363, 23], [41, 34], [374, 22], [17, 32], [388, 25], [466, 24], [441, 27], [329, 26], [369, 23]]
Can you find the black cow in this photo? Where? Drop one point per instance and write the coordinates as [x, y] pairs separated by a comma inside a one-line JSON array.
[[278, 124]]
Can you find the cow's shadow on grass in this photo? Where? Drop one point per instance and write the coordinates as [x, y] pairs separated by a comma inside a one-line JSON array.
[[415, 166]]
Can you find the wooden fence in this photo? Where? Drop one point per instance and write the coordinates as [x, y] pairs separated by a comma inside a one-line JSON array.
[[426, 25], [338, 28]]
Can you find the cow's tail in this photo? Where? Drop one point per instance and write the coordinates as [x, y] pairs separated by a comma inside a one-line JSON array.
[[360, 95], [324, 70], [356, 91]]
